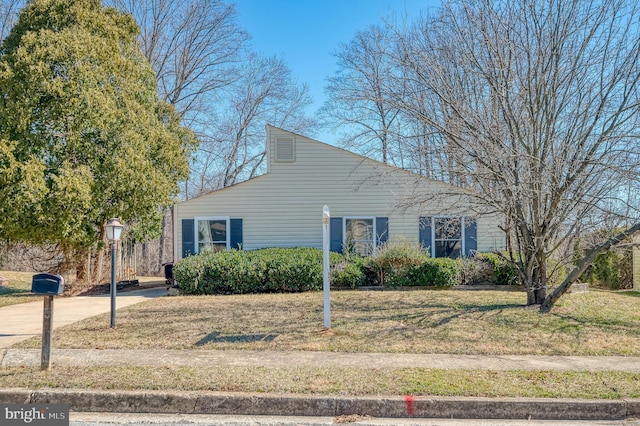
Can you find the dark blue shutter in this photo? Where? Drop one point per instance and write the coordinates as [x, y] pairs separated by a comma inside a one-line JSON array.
[[424, 232], [382, 230], [235, 236], [470, 236], [335, 230], [188, 243]]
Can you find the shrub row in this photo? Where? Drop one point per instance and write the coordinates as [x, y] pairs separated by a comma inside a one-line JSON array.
[[275, 270], [287, 270]]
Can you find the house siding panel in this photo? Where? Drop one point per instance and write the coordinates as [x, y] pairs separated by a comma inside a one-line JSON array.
[[283, 208]]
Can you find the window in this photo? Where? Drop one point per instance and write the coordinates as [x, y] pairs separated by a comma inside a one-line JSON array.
[[359, 235], [449, 236], [447, 239], [364, 234], [212, 234]]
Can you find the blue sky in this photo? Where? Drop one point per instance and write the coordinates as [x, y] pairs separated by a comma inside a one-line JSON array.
[[305, 32]]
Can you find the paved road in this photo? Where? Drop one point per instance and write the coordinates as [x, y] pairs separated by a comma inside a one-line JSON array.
[[107, 419]]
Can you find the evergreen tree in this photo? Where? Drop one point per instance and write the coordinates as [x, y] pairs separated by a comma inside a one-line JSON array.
[[83, 135]]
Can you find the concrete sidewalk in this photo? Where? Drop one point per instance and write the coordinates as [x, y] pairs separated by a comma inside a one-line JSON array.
[[279, 359], [22, 321]]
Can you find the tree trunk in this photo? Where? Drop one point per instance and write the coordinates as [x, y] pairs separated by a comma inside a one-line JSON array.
[[100, 256], [538, 283], [162, 239], [536, 296]]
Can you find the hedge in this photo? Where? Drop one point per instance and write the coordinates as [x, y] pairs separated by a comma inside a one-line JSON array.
[[273, 270], [288, 270]]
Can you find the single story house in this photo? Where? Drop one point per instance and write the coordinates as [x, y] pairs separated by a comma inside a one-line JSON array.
[[283, 208]]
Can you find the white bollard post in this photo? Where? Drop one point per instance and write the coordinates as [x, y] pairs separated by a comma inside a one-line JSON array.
[[326, 216]]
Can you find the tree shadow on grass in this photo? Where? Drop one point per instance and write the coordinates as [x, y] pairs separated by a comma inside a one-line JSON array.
[[450, 312], [216, 337], [472, 309]]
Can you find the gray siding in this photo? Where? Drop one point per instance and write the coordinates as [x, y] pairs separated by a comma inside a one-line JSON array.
[[283, 208]]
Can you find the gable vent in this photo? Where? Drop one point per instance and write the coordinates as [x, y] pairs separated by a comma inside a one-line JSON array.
[[285, 149]]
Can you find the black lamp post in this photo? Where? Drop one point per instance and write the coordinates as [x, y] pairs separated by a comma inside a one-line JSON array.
[[114, 229]]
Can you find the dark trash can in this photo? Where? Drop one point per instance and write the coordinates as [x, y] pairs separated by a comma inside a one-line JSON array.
[[168, 274]]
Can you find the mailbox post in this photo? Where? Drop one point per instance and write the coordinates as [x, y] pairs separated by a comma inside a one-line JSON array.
[[48, 285]]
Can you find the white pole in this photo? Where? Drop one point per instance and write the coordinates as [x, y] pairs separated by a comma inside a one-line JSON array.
[[325, 248]]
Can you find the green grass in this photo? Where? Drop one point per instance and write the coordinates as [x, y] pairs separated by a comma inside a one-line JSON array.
[[335, 381]]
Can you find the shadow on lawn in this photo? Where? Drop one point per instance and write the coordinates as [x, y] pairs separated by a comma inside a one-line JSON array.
[[474, 309], [6, 291], [215, 337], [421, 313]]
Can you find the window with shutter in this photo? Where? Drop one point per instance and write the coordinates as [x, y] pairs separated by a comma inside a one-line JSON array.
[[448, 236]]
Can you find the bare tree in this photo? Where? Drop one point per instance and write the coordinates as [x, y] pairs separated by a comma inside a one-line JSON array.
[[538, 103], [194, 48], [264, 94], [8, 15], [223, 91], [357, 101]]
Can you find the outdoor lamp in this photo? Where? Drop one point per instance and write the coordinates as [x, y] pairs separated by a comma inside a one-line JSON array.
[[114, 229]]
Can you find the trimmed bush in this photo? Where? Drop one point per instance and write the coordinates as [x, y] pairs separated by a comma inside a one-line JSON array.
[[504, 273], [349, 273], [272, 270], [438, 272]]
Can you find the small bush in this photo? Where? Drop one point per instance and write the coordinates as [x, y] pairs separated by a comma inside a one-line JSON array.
[[504, 273], [395, 259], [439, 272], [612, 269], [349, 273]]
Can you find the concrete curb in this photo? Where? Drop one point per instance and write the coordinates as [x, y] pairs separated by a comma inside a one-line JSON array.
[[328, 406]]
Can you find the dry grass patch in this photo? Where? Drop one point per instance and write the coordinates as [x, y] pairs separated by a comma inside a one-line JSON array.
[[18, 290], [457, 322], [338, 381]]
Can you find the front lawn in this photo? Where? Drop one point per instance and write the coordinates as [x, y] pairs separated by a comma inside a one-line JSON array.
[[418, 321], [18, 290], [462, 322]]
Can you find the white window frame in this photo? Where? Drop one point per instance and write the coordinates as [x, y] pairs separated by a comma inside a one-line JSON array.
[[196, 227], [375, 231], [433, 234]]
